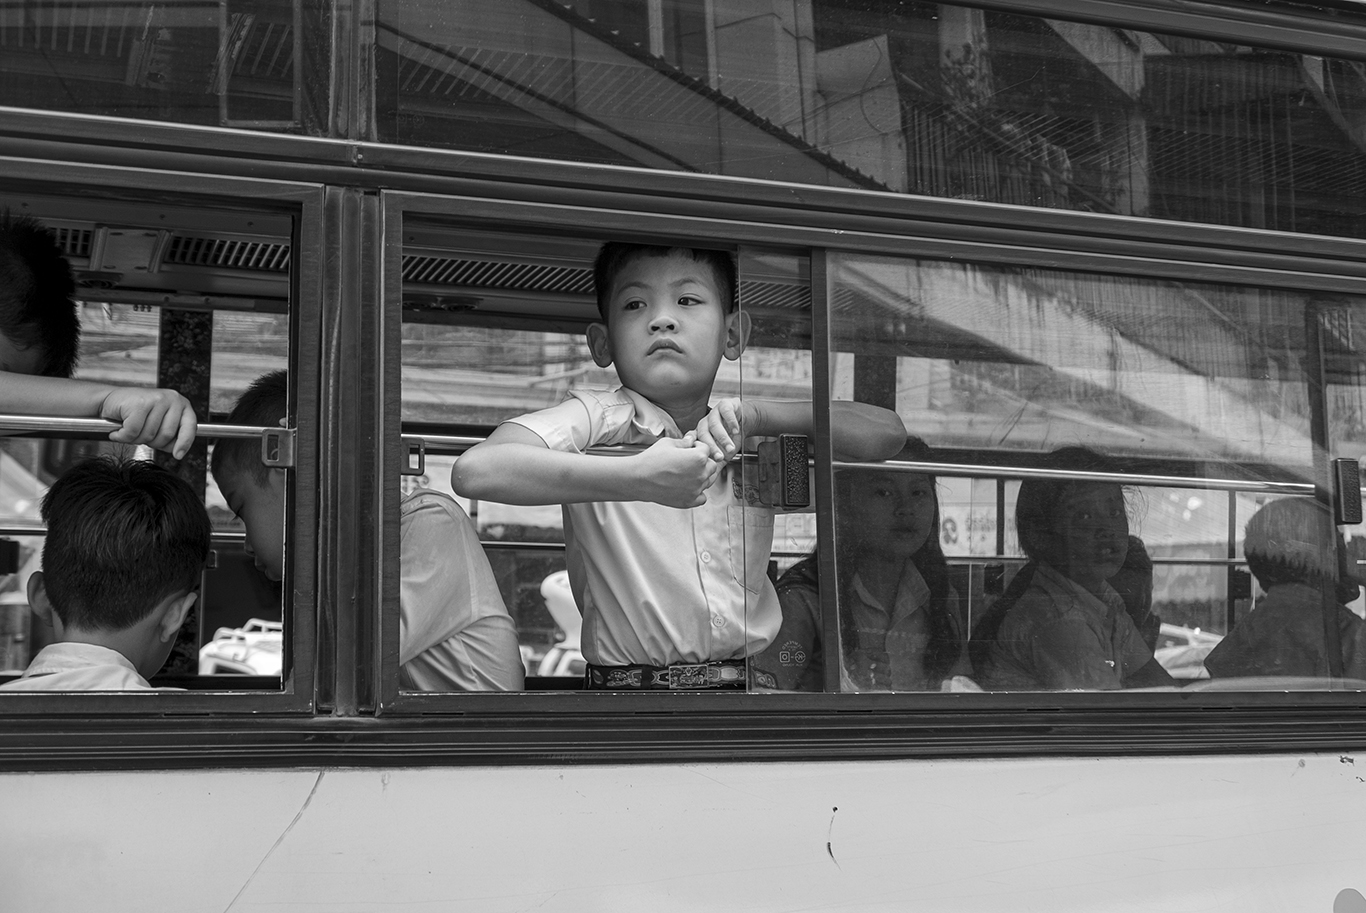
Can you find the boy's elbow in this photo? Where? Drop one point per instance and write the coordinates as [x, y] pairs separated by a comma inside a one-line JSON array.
[[888, 440], [878, 434], [470, 477]]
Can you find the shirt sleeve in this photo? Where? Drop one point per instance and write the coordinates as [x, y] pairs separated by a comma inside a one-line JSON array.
[[572, 426]]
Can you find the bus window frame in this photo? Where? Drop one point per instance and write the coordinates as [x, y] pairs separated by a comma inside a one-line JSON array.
[[576, 728], [302, 203], [640, 216]]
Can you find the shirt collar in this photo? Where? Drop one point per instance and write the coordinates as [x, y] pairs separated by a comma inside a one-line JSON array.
[[1058, 583], [650, 419], [60, 657], [912, 592]]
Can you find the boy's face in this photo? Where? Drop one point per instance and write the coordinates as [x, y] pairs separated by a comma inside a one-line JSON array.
[[261, 508], [667, 328]]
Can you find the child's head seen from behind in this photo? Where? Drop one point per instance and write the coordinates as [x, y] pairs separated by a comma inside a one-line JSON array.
[[39, 329], [126, 545], [254, 491], [669, 316]]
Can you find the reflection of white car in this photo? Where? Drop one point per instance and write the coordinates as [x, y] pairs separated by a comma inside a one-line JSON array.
[[563, 659], [256, 648], [1182, 650]]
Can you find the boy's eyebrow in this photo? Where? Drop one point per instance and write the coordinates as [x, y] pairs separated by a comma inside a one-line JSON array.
[[645, 286]]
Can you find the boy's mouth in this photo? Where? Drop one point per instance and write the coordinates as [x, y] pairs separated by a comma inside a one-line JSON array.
[[664, 345]]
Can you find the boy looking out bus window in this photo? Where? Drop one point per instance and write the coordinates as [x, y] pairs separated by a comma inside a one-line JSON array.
[[126, 545], [667, 564], [455, 634], [39, 340]]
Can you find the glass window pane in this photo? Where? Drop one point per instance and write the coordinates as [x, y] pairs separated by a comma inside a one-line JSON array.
[[914, 97], [494, 329], [235, 63], [183, 297], [1068, 582]]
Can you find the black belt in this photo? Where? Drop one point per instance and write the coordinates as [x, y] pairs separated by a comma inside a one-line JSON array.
[[721, 675]]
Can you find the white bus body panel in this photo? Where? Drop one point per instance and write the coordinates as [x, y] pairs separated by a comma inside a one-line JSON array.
[[1245, 834]]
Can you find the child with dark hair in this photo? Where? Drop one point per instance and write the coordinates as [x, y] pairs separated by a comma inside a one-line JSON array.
[[39, 343], [667, 556], [898, 614], [455, 634], [1061, 625], [1293, 549], [125, 548]]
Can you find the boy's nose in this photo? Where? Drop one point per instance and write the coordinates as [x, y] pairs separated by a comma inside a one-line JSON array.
[[664, 321]]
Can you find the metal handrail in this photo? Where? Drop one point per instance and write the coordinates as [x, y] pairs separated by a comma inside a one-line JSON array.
[[1120, 478], [464, 442], [101, 426]]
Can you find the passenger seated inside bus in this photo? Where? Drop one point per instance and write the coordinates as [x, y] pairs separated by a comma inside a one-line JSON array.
[[1061, 625], [1134, 584], [1293, 550], [667, 563], [121, 567], [455, 634], [40, 341], [900, 626]]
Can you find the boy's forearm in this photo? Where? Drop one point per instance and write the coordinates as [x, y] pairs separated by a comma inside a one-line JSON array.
[[525, 474], [859, 431], [28, 395]]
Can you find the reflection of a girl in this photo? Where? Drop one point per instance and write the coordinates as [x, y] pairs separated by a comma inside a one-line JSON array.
[[1061, 624], [898, 614]]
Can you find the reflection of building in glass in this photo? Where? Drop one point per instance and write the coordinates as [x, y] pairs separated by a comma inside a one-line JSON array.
[[918, 97]]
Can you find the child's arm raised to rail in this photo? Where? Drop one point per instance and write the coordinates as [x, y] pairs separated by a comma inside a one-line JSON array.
[[161, 418], [860, 431], [514, 466]]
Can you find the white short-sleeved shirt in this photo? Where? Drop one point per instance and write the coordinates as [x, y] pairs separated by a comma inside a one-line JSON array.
[[79, 667], [455, 634], [658, 584]]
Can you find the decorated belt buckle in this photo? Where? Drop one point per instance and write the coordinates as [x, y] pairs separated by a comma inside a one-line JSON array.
[[725, 675], [687, 676]]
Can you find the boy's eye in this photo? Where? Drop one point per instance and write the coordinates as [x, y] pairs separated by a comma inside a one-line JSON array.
[[688, 300], [633, 305]]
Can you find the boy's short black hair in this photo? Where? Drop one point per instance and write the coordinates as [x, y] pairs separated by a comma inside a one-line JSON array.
[[36, 289], [265, 402], [121, 537], [615, 255]]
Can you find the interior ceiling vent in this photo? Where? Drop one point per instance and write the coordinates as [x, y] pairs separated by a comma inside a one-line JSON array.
[[228, 253], [74, 242], [775, 296], [524, 277]]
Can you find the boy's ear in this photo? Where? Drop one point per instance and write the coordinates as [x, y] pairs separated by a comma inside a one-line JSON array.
[[176, 609], [599, 344], [737, 333], [37, 598]]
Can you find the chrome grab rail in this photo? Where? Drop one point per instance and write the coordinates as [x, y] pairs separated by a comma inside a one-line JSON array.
[[277, 444], [285, 437], [1121, 478]]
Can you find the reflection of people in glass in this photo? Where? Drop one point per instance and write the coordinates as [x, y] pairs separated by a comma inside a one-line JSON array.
[[1293, 549], [1067, 627], [898, 614]]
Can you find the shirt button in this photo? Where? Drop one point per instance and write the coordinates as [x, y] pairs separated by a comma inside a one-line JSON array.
[[706, 557], [717, 621]]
